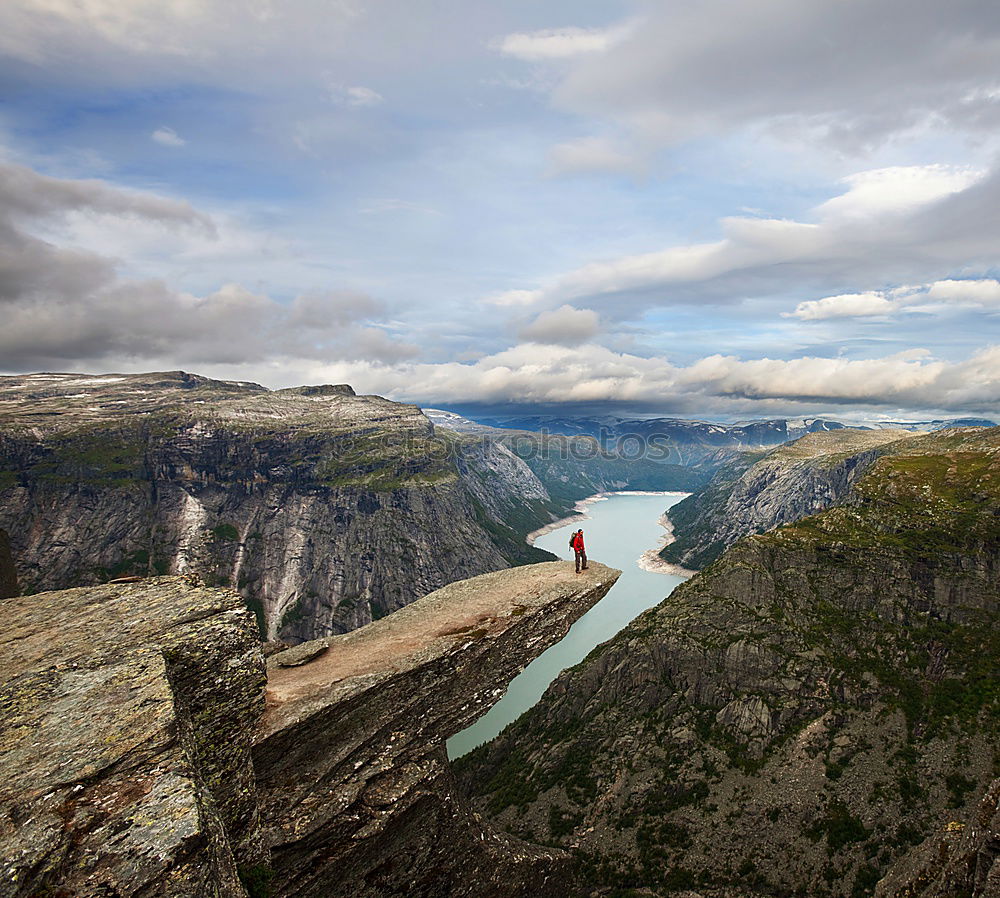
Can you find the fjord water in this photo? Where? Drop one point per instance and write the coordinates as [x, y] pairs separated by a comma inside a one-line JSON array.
[[621, 527]]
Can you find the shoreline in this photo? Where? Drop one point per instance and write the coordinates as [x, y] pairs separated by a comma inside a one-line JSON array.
[[650, 559]]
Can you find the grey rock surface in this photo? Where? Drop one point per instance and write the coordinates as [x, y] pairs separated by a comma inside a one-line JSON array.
[[755, 492], [127, 716], [959, 859], [141, 757], [298, 655], [355, 785]]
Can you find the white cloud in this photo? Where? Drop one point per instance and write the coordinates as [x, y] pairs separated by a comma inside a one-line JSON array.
[[532, 373], [66, 307], [356, 95], [28, 195], [589, 154], [749, 242], [564, 326], [137, 26], [983, 293], [514, 298], [168, 137], [971, 294], [898, 189], [558, 43], [892, 379], [846, 305], [841, 75], [131, 41], [66, 304], [915, 224]]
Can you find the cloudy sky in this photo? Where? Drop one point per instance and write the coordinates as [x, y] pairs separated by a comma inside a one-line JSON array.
[[723, 208]]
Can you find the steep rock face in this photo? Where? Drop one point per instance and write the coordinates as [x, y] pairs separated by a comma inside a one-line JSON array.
[[138, 758], [753, 493], [8, 573], [322, 508], [794, 718], [127, 718]]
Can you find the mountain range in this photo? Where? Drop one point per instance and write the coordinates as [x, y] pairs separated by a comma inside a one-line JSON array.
[[814, 713]]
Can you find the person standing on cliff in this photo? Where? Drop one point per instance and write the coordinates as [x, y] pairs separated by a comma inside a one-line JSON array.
[[578, 548]]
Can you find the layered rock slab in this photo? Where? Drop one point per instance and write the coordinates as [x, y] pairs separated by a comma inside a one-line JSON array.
[[353, 777], [126, 712]]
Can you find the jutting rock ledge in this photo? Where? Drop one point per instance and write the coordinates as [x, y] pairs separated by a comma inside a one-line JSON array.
[[146, 749]]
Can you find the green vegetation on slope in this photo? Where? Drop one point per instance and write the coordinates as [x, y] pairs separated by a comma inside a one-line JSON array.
[[796, 717]]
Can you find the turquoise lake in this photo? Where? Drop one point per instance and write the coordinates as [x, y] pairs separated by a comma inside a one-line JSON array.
[[621, 527]]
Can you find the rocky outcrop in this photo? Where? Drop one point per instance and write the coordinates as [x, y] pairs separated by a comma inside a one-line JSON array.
[[796, 717], [354, 782], [128, 713], [8, 573], [754, 492], [138, 757], [322, 508]]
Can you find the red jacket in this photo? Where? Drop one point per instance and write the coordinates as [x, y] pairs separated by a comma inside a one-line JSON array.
[[578, 542]]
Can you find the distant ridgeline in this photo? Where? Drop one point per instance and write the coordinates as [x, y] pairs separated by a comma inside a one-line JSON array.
[[685, 442], [815, 712], [324, 509], [759, 490]]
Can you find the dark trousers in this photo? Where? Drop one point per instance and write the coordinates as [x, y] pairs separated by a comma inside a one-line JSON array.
[[581, 555]]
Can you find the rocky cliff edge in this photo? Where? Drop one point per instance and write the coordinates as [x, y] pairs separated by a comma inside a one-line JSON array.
[[142, 751]]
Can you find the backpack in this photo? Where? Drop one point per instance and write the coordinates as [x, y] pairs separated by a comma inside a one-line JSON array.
[[572, 537]]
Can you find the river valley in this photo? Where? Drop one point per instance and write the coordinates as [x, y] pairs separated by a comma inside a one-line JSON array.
[[619, 528]]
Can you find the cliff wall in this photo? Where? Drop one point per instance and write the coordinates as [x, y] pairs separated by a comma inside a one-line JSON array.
[[325, 510], [143, 752], [355, 785], [126, 716], [754, 492]]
